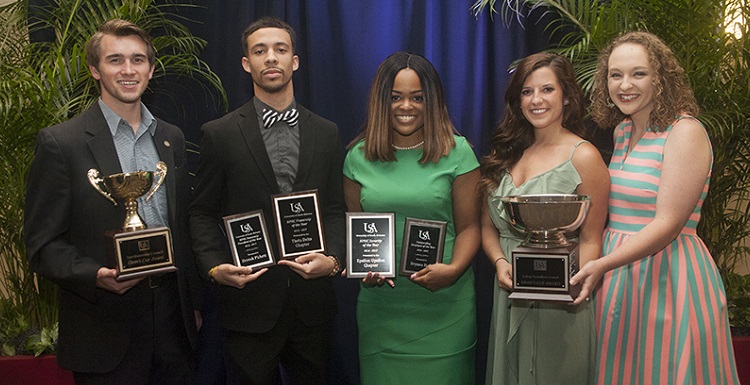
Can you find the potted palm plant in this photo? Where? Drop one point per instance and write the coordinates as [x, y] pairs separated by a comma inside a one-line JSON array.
[[711, 39], [43, 81]]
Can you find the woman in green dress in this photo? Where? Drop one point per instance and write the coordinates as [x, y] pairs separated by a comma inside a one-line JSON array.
[[409, 160], [537, 149]]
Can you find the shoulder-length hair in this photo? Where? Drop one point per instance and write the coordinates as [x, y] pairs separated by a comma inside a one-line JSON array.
[[672, 93], [378, 133], [515, 134]]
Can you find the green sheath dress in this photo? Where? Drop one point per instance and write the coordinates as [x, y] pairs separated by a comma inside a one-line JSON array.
[[408, 334]]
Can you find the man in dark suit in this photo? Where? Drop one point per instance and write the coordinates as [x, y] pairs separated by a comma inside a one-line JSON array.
[[282, 314], [136, 331]]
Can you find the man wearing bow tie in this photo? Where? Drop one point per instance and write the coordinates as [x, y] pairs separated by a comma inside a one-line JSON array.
[[280, 315]]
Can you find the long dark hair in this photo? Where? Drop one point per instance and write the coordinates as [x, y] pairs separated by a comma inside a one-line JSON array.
[[515, 134], [438, 128]]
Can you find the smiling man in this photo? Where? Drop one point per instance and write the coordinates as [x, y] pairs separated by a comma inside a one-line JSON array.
[[135, 331], [269, 146]]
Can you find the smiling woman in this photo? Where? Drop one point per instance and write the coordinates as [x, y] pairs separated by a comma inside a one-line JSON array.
[[429, 333], [407, 110]]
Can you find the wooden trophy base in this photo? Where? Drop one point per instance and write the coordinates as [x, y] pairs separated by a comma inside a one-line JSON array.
[[543, 274]]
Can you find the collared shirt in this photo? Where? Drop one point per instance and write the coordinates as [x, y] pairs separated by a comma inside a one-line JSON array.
[[282, 145], [137, 152]]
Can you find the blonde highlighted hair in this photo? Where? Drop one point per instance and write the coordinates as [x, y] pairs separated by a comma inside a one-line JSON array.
[[438, 128]]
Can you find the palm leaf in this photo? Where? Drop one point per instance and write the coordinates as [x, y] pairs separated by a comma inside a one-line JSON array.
[[47, 82], [716, 63]]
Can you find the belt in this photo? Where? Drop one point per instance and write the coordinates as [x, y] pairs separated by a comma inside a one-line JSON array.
[[159, 280]]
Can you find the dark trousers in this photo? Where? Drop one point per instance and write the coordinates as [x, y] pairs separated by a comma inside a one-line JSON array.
[[300, 351], [159, 352]]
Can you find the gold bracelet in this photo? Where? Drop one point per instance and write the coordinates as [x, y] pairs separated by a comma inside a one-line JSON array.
[[336, 266], [211, 273]]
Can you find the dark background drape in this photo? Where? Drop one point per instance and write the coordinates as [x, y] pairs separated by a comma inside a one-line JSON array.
[[340, 44]]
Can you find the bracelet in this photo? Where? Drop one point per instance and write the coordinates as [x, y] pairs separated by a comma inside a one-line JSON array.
[[336, 266], [497, 259], [211, 273]]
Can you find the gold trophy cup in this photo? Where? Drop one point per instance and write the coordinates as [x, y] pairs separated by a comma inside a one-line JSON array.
[[545, 262], [135, 249]]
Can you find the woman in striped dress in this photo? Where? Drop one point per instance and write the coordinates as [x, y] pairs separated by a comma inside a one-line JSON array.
[[661, 308]]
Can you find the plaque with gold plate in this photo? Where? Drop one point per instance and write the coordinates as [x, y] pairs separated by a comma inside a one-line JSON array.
[[135, 250], [545, 262]]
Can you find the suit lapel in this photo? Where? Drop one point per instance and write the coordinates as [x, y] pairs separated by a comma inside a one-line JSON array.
[[307, 146], [166, 154], [247, 123], [101, 144]]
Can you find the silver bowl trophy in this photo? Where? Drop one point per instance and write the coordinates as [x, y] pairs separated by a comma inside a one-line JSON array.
[[544, 263], [136, 250]]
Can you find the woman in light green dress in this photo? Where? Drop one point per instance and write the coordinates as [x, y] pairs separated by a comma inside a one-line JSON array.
[[421, 328], [537, 149]]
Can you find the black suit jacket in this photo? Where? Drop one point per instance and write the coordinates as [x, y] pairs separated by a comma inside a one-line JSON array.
[[64, 224], [235, 176]]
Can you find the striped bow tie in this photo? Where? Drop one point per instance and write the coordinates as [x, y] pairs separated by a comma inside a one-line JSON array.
[[270, 117]]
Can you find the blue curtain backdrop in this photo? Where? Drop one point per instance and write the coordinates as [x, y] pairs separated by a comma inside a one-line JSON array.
[[340, 44]]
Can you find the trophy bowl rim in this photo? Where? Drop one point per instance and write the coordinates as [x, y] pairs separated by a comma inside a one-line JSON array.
[[549, 234], [537, 198], [126, 174], [122, 190]]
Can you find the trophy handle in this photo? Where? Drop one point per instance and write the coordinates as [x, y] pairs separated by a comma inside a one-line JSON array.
[[96, 181], [160, 173]]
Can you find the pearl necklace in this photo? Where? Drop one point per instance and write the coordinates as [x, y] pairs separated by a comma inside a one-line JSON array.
[[418, 145]]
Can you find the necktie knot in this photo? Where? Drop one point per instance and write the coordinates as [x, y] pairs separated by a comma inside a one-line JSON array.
[[271, 117]]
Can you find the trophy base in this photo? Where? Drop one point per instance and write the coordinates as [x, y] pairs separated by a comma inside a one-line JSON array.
[[140, 253], [543, 274]]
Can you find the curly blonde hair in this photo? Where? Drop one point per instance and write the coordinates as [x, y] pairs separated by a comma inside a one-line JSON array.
[[672, 93]]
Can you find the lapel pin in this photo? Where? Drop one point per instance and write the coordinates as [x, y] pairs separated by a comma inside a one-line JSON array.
[[166, 143]]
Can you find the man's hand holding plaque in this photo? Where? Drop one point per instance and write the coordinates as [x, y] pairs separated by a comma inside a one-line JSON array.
[[248, 240], [135, 250], [298, 224]]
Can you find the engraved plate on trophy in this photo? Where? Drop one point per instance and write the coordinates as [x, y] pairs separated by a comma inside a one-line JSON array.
[[135, 250], [370, 244], [545, 262], [298, 224], [422, 244], [248, 240]]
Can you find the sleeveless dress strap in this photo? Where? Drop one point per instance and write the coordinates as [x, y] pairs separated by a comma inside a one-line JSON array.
[[576, 147]]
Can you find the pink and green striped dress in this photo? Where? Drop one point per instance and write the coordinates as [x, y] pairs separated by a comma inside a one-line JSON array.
[[661, 319]]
